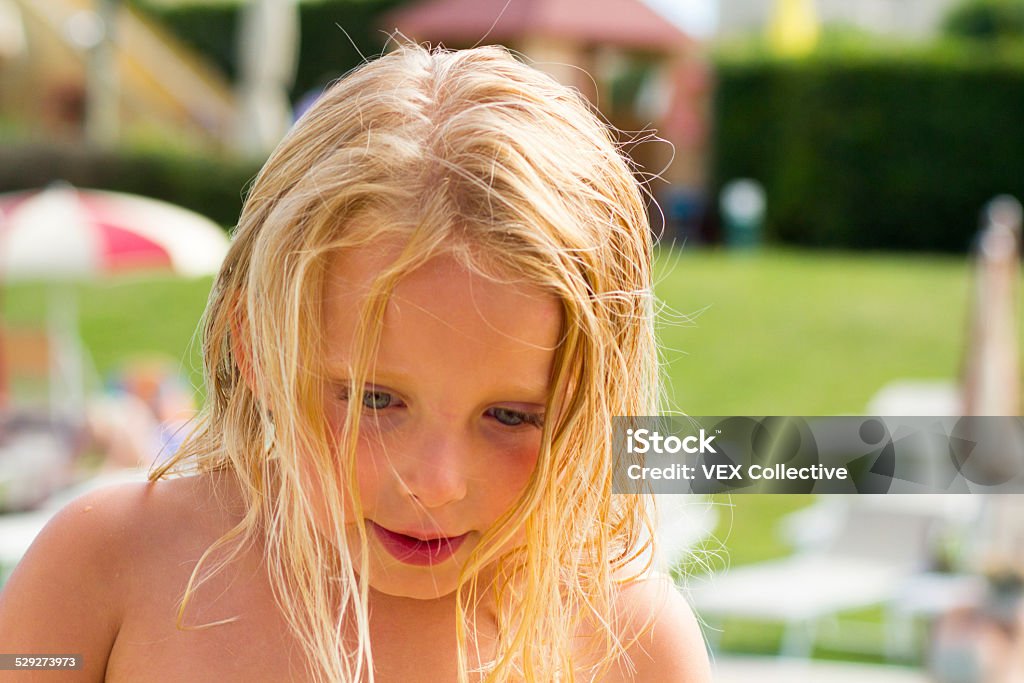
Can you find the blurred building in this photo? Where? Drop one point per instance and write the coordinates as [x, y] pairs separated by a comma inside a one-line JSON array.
[[62, 60], [903, 18]]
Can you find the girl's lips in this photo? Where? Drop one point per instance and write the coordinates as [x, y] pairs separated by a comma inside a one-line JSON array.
[[414, 550]]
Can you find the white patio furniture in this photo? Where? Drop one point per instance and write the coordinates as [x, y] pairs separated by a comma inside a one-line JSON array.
[[855, 551]]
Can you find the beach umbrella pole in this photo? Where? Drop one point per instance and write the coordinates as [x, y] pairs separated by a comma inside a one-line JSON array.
[[66, 381]]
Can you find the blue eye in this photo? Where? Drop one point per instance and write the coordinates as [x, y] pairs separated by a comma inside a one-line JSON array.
[[514, 418], [377, 400]]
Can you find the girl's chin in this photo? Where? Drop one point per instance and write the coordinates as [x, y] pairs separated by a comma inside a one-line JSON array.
[[418, 588]]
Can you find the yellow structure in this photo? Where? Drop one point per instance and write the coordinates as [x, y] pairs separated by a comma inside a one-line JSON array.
[[160, 88], [794, 29]]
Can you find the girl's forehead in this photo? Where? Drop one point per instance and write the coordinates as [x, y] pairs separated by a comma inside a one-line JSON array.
[[441, 299]]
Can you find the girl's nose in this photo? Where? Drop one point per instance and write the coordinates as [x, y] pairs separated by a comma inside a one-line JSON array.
[[434, 469]]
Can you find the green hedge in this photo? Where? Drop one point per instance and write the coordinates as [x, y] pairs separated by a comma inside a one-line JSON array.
[[892, 152], [325, 52], [210, 186], [986, 20]]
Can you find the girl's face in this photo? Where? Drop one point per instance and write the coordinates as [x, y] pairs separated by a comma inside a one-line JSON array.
[[452, 417]]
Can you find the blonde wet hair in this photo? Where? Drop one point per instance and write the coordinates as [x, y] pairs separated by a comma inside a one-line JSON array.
[[475, 155]]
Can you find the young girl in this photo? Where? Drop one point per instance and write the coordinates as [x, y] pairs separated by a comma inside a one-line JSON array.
[[438, 296]]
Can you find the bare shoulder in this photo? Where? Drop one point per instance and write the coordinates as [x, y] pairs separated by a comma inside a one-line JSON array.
[[662, 637], [70, 591]]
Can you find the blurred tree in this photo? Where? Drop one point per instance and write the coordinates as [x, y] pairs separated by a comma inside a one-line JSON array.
[[336, 34], [986, 20]]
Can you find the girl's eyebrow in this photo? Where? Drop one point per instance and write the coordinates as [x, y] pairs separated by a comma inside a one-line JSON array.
[[533, 392], [526, 393]]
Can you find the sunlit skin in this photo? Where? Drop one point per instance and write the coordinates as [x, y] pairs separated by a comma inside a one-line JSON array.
[[452, 420]]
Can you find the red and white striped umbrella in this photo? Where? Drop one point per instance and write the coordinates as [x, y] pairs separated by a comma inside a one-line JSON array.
[[65, 233]]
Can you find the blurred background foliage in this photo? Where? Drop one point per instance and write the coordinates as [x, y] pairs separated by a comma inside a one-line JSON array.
[[326, 50], [210, 185], [872, 149], [868, 142], [986, 21]]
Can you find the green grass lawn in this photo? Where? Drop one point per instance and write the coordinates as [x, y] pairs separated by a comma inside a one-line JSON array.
[[122, 318], [806, 333]]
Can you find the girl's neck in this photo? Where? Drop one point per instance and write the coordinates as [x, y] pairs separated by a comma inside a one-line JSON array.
[[414, 608], [416, 639], [436, 610]]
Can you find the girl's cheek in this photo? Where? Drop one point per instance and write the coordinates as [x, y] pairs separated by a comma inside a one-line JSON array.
[[512, 466], [335, 411], [319, 499], [519, 455], [368, 477], [310, 482]]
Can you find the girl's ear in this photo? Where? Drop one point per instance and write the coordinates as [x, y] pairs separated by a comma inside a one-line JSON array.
[[241, 348]]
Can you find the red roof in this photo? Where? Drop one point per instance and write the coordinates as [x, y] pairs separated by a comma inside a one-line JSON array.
[[622, 23]]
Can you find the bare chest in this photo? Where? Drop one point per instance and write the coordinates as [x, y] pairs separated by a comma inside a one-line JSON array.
[[254, 642], [231, 631]]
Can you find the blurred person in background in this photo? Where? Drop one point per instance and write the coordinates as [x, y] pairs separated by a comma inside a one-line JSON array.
[[983, 638], [142, 419]]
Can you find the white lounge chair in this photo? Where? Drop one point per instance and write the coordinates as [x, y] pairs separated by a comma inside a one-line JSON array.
[[857, 551]]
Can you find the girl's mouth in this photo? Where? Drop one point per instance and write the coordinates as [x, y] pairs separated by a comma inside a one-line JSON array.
[[414, 550]]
